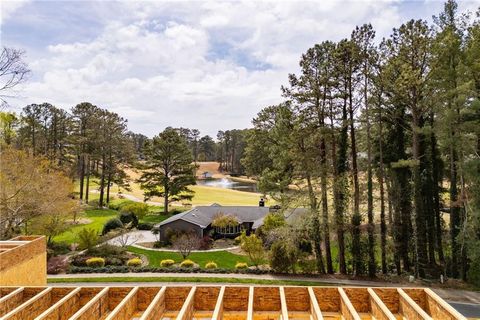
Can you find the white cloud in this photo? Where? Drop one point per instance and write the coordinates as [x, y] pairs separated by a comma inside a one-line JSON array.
[[8, 8], [190, 64]]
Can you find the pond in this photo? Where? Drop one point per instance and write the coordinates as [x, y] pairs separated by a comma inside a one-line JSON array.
[[226, 183]]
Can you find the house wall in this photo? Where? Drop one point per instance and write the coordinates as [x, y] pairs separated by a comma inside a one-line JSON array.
[[25, 265], [182, 226]]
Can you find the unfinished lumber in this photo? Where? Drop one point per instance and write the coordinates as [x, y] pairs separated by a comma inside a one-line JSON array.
[[283, 304], [157, 307], [186, 313], [59, 310], [251, 293], [409, 308], [439, 309], [10, 301], [378, 309], [218, 311], [126, 308], [314, 307], [32, 307], [93, 309], [346, 307]]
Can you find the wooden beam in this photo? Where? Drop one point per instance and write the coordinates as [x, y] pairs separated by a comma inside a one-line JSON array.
[[441, 309], [346, 307], [283, 304], [10, 301], [218, 312], [378, 308], [409, 308], [57, 307], [126, 308], [89, 310], [250, 303], [314, 306], [38, 299], [186, 313], [157, 307]]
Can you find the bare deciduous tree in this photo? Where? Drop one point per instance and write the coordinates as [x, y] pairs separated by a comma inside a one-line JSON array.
[[185, 243], [13, 70]]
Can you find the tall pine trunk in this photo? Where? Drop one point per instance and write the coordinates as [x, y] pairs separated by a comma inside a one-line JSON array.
[[87, 186], [381, 175]]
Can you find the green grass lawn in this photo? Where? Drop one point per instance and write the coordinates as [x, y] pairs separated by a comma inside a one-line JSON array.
[[188, 279], [223, 259], [98, 218]]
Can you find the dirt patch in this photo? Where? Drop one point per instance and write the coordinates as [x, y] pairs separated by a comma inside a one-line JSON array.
[[211, 167], [80, 221]]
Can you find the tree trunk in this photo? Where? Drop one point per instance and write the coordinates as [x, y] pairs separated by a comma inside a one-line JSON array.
[[87, 186], [356, 217], [317, 239], [102, 182], [381, 174], [326, 227]]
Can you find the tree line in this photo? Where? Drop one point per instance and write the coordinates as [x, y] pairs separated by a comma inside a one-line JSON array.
[[381, 140]]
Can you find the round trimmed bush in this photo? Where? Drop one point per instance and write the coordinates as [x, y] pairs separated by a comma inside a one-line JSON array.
[[241, 265], [145, 226], [187, 263], [167, 263], [128, 217], [111, 224], [95, 262], [211, 265], [135, 262]]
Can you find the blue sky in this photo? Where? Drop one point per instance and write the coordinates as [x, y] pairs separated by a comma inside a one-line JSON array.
[[200, 64]]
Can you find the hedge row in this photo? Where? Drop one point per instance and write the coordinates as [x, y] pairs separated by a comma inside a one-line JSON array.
[[125, 269]]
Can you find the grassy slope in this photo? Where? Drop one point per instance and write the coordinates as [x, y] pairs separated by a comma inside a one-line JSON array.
[[223, 259], [98, 218]]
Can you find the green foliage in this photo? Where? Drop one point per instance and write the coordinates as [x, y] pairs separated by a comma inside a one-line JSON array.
[[211, 265], [253, 247], [145, 226], [112, 224], [187, 263], [167, 263], [241, 265], [134, 262], [138, 209], [96, 262], [128, 218], [169, 170], [87, 238], [224, 220], [283, 256], [272, 221]]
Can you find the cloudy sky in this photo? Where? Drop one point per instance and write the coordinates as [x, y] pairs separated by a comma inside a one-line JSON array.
[[200, 64]]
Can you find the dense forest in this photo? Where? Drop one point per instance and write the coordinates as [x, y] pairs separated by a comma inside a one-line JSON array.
[[378, 138], [381, 138]]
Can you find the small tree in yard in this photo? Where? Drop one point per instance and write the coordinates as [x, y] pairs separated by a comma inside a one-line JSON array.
[[253, 247], [87, 238], [185, 243]]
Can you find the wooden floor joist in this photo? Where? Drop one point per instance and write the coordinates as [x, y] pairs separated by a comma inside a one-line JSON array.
[[222, 303]]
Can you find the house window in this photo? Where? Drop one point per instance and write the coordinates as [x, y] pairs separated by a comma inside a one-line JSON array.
[[229, 230]]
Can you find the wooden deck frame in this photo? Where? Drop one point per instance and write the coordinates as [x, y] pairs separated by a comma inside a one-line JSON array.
[[222, 303], [32, 307]]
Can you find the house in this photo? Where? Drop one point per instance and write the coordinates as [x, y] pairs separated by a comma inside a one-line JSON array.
[[199, 220]]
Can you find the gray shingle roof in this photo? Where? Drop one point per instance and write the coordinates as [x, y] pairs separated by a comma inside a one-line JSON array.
[[203, 215]]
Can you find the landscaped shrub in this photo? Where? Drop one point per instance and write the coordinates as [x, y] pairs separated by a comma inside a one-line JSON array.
[[205, 243], [119, 204], [128, 218], [107, 250], [167, 263], [135, 262], [145, 226], [187, 263], [138, 209], [59, 248], [87, 238], [96, 262], [112, 224], [241, 265], [211, 265], [57, 265]]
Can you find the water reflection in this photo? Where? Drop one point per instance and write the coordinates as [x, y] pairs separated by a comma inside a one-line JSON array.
[[226, 183]]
